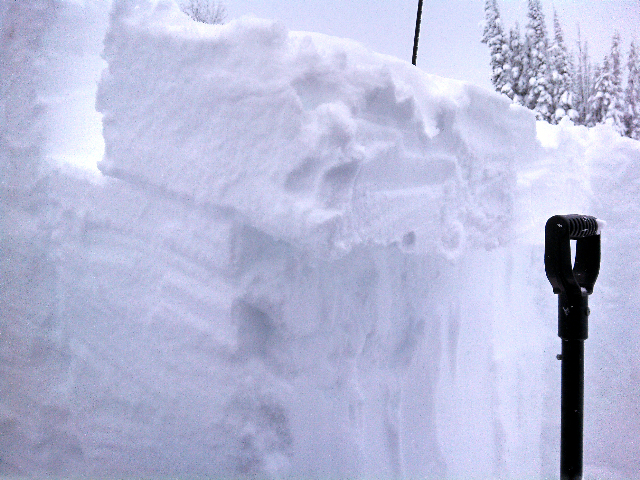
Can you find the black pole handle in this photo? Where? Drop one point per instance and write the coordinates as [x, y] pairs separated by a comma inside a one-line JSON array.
[[573, 284], [576, 280]]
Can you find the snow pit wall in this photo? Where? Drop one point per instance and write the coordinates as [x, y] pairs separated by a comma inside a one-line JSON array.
[[317, 300]]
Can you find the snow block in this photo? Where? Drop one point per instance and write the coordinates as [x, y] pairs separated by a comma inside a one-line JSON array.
[[315, 140]]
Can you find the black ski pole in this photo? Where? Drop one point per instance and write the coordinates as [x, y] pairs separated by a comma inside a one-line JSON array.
[[573, 284], [416, 36]]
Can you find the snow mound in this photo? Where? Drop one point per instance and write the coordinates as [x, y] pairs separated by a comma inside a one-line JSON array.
[[315, 140]]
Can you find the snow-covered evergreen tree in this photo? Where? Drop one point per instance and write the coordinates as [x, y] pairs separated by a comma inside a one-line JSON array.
[[606, 104], [518, 80], [493, 36], [594, 113], [631, 117], [536, 63], [542, 75], [615, 113], [560, 75], [597, 104], [582, 83]]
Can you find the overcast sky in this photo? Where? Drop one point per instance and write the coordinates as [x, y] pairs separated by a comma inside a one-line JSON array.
[[450, 35]]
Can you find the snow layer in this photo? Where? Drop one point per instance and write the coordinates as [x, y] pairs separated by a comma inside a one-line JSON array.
[[342, 146], [305, 260]]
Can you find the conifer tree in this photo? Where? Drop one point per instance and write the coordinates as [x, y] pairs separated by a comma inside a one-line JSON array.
[[597, 101], [536, 63], [518, 84], [606, 103], [582, 83], [542, 75], [615, 113], [631, 117], [493, 36], [560, 76]]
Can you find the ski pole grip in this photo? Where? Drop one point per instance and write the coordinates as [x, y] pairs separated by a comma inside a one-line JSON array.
[[581, 226], [576, 280]]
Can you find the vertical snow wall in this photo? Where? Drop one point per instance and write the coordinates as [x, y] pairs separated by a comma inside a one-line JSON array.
[[305, 260]]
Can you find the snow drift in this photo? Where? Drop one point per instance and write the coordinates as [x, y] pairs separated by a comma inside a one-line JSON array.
[[304, 260]]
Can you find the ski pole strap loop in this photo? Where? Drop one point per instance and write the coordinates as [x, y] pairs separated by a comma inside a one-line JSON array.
[[576, 280]]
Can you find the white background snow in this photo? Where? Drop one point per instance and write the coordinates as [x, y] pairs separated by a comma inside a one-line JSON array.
[[299, 259]]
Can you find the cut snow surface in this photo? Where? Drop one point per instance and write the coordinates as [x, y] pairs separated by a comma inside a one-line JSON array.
[[313, 140], [304, 260]]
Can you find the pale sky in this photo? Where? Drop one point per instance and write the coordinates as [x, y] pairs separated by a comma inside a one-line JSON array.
[[450, 34]]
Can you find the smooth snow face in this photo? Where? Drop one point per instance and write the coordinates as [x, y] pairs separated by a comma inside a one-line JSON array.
[[305, 261]]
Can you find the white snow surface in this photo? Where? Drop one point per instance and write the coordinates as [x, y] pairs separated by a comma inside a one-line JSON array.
[[301, 259], [340, 146]]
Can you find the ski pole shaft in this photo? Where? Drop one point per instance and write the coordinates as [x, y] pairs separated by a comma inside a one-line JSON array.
[[416, 37], [572, 409], [573, 329]]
